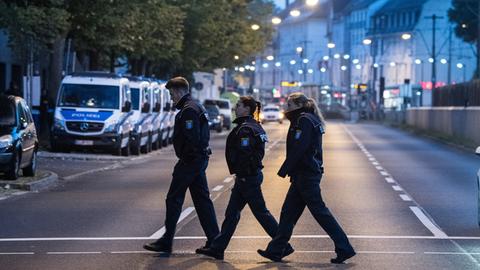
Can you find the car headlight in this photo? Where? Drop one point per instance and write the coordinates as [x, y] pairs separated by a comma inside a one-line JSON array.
[[281, 115], [59, 124], [6, 141]]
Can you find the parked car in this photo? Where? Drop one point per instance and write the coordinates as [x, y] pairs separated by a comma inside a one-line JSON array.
[[18, 138], [478, 186], [93, 110], [225, 108], [271, 113], [215, 119]]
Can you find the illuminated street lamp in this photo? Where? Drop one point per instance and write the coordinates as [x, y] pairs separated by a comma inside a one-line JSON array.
[[346, 56], [326, 58], [392, 64], [293, 62], [358, 66], [265, 65], [299, 49], [418, 61], [270, 58], [255, 27], [310, 71], [276, 20], [295, 13], [236, 57], [406, 36], [343, 68], [459, 65], [376, 65], [323, 70], [367, 41], [241, 69], [443, 61], [336, 56], [311, 2], [305, 61], [278, 64], [431, 60], [355, 61], [300, 71], [331, 45]]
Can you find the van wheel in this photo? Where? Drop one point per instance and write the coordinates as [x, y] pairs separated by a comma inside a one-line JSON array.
[[14, 172], [155, 145], [32, 167], [126, 150], [136, 146]]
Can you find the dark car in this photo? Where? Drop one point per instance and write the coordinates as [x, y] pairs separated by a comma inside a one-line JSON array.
[[215, 119], [18, 138]]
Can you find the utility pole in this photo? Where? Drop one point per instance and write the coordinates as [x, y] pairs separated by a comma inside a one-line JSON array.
[[450, 57], [434, 19]]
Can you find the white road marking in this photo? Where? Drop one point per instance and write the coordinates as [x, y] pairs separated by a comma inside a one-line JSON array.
[[384, 173], [405, 197], [111, 167], [390, 180], [375, 163], [217, 188], [372, 159], [408, 237], [183, 215], [385, 252], [73, 252], [380, 168], [132, 252], [228, 180], [427, 222], [452, 253], [17, 253], [397, 188]]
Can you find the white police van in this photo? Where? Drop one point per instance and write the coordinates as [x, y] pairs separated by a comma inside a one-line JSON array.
[[157, 114], [93, 110], [141, 136], [167, 117], [171, 118]]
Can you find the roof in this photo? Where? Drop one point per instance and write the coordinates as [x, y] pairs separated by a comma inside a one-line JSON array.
[[94, 80], [400, 5]]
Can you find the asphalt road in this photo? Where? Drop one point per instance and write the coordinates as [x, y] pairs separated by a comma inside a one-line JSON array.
[[405, 202]]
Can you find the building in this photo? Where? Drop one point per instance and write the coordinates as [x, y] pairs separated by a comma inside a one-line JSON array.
[[11, 70]]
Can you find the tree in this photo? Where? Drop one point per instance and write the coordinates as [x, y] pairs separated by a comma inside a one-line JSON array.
[[466, 15]]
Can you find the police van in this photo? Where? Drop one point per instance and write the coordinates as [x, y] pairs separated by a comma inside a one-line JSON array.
[[168, 122], [93, 110], [141, 136], [171, 118], [158, 115]]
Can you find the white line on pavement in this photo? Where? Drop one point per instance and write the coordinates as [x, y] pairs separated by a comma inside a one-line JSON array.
[[380, 168], [384, 173], [183, 215], [390, 180], [132, 252], [452, 253], [405, 197], [217, 188], [17, 253], [427, 222], [74, 252], [397, 188]]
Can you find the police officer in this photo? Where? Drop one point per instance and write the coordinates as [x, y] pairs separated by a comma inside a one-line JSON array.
[[304, 165], [190, 140], [244, 153]]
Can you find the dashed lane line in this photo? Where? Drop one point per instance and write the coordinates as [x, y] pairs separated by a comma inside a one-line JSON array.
[[217, 188]]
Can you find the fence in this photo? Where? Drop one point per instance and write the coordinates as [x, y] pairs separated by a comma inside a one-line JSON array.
[[458, 95]]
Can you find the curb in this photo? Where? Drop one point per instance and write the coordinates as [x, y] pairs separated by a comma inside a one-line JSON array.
[[80, 156], [47, 181]]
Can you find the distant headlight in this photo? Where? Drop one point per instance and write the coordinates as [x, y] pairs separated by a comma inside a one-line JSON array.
[[281, 115], [262, 116], [6, 141], [112, 127]]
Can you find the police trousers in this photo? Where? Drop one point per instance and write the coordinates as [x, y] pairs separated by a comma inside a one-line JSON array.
[[305, 192], [246, 191], [190, 176]]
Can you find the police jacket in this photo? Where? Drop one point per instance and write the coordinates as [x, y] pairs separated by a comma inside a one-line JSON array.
[[304, 145], [191, 133], [245, 147]]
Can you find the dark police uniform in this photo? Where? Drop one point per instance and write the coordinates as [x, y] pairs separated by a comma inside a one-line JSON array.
[[304, 165], [244, 153], [190, 141]]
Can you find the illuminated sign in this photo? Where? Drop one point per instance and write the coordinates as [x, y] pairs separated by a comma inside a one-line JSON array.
[[289, 84]]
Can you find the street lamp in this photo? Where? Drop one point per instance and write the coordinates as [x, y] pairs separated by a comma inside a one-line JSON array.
[[305, 61], [323, 70], [278, 64], [255, 27], [367, 41], [276, 20], [346, 56], [326, 58], [406, 36], [331, 45], [443, 61], [418, 61], [311, 2], [299, 49], [355, 61], [236, 57], [392, 64], [270, 58], [336, 56], [431, 60], [295, 13], [343, 68], [293, 62], [310, 71]]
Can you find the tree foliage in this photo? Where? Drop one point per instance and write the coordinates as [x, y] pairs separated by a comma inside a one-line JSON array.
[[465, 14], [164, 37]]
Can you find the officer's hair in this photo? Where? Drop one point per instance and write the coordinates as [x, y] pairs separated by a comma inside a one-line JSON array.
[[253, 105], [178, 84], [308, 104]]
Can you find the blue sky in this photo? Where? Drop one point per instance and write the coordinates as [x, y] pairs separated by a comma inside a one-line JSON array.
[[280, 3]]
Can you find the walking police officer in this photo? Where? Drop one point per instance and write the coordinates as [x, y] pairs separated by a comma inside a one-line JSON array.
[[244, 153], [304, 165], [190, 141]]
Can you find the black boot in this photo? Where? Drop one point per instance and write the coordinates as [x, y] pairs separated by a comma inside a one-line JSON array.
[[158, 246], [288, 251], [269, 255], [342, 257], [210, 252]]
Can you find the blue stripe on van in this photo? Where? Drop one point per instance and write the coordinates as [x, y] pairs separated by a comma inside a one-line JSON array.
[[72, 115]]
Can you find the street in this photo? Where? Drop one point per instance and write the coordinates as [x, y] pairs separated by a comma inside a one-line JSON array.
[[405, 202]]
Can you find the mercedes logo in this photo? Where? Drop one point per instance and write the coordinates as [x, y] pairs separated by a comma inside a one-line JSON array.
[[84, 126]]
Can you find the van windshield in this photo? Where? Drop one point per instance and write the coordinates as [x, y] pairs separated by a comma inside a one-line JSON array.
[[89, 96], [7, 113], [135, 92]]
